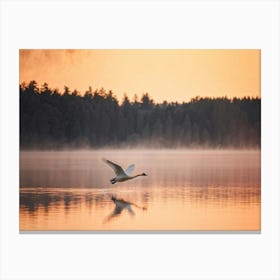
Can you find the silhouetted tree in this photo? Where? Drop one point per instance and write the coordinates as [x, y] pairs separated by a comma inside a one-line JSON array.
[[50, 119]]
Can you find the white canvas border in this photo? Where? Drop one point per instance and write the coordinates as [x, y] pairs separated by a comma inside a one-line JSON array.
[[139, 24]]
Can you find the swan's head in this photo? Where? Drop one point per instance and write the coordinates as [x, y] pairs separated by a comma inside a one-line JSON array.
[[144, 174], [113, 198]]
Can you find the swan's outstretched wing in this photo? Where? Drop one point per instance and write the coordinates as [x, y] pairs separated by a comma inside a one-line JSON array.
[[117, 211], [130, 211], [129, 169], [118, 170]]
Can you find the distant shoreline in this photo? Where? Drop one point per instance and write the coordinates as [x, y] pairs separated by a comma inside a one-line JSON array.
[[194, 149]]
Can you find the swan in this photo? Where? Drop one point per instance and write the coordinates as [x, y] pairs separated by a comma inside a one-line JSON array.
[[122, 175], [120, 205]]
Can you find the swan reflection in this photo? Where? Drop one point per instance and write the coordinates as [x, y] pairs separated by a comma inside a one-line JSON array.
[[121, 205]]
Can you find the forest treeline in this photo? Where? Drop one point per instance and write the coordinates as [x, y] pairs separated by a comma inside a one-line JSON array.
[[50, 119]]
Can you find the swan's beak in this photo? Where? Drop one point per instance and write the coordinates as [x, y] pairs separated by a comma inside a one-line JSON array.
[[144, 174]]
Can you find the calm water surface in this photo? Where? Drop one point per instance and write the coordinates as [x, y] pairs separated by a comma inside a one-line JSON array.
[[184, 190]]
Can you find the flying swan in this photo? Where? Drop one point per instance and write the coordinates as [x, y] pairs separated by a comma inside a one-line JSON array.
[[122, 175]]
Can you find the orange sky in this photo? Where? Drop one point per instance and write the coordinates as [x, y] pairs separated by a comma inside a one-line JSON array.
[[172, 75]]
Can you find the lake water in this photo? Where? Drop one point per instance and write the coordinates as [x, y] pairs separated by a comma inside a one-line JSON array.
[[184, 190]]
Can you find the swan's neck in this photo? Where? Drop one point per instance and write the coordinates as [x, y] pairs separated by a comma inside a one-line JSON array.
[[137, 175]]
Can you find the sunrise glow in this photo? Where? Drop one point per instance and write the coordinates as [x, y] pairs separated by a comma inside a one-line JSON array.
[[172, 75]]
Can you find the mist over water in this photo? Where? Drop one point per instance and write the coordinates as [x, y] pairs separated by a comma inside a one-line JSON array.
[[184, 190]]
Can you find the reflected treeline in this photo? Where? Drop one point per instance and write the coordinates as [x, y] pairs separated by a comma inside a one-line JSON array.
[[222, 195], [51, 119], [34, 200]]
